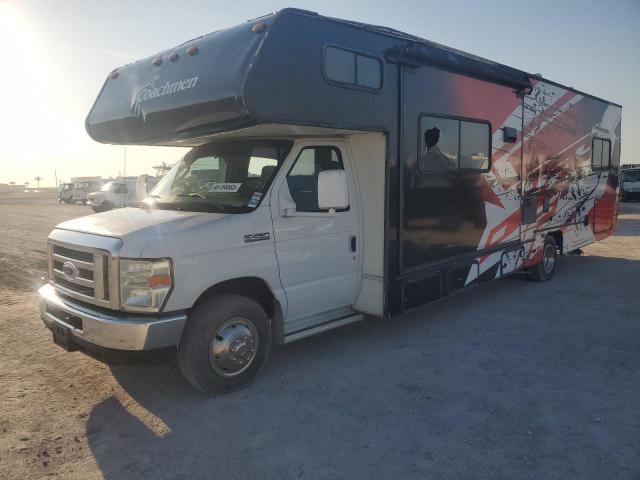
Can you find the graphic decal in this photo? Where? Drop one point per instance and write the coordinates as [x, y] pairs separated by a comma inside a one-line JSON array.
[[553, 163]]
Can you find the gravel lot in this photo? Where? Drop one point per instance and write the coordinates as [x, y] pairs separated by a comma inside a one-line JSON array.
[[512, 380]]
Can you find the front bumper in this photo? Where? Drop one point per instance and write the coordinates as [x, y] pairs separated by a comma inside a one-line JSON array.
[[117, 331]]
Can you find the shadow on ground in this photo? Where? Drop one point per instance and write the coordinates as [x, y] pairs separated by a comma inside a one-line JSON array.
[[513, 380]]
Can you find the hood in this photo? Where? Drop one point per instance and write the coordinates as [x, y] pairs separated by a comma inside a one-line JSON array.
[[123, 222]]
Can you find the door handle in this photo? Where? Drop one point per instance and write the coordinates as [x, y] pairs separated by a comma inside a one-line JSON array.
[[354, 244]]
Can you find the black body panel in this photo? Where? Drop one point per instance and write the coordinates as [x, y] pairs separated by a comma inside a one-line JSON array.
[[436, 225]]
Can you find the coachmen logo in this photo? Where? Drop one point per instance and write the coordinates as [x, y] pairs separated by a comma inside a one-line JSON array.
[[70, 270], [150, 91]]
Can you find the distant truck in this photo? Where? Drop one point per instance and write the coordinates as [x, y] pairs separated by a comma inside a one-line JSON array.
[[65, 192], [82, 186], [355, 171], [630, 184], [120, 193]]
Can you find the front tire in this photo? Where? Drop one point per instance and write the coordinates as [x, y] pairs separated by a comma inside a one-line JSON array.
[[225, 343], [543, 271]]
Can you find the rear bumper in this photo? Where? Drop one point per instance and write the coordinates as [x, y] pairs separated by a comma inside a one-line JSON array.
[[118, 331], [630, 195]]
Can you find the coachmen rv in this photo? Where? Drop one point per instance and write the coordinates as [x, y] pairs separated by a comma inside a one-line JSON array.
[[336, 170]]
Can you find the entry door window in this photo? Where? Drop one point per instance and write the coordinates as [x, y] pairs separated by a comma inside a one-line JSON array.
[[303, 177]]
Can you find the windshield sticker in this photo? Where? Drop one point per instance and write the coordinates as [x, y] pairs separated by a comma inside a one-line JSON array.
[[223, 187], [255, 199]]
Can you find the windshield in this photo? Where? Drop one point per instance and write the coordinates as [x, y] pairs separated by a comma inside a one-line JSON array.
[[630, 176], [229, 177], [106, 187]]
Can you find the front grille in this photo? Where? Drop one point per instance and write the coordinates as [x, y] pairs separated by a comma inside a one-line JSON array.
[[82, 273], [74, 254]]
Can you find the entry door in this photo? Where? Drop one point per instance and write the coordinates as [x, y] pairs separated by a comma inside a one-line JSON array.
[[318, 251]]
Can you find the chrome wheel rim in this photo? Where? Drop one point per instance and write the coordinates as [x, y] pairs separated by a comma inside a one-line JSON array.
[[233, 347], [549, 259]]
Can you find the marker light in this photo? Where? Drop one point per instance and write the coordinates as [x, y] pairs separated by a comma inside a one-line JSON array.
[[259, 27], [192, 50], [174, 56], [157, 61]]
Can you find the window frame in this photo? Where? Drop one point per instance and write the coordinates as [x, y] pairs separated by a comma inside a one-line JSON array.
[[293, 165], [459, 119], [355, 85], [600, 167]]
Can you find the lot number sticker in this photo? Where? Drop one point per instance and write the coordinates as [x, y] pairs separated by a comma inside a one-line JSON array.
[[224, 187]]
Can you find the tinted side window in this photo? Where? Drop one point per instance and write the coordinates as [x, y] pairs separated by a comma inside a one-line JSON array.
[[474, 145], [606, 153], [600, 154], [303, 177], [340, 65], [439, 144], [352, 68], [369, 72], [448, 144]]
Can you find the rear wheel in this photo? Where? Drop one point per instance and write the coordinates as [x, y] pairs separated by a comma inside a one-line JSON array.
[[225, 344], [544, 270]]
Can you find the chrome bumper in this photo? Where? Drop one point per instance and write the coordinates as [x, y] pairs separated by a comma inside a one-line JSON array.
[[121, 332]]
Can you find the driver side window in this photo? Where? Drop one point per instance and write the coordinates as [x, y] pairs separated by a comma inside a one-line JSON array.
[[303, 176]]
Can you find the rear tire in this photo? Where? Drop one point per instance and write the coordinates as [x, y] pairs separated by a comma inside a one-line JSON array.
[[225, 343], [543, 271]]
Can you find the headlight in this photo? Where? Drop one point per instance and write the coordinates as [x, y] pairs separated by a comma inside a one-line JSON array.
[[144, 284]]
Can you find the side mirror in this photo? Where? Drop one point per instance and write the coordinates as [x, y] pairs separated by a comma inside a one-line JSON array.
[[332, 190]]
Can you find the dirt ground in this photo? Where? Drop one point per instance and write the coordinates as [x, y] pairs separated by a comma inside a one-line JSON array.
[[512, 380]]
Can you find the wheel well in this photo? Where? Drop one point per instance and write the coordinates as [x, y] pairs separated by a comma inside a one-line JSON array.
[[252, 287], [557, 236]]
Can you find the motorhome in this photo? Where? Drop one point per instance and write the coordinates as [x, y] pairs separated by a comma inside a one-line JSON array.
[[120, 193], [337, 170]]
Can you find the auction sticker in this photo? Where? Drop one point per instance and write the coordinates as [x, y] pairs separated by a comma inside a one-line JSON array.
[[224, 187], [255, 199]]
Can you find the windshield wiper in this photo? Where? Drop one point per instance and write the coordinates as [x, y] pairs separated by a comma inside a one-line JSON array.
[[191, 195]]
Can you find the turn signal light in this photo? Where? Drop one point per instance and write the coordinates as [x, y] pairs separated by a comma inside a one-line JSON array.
[[156, 281], [259, 27]]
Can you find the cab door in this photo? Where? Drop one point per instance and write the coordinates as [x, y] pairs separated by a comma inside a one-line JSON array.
[[318, 251], [120, 193]]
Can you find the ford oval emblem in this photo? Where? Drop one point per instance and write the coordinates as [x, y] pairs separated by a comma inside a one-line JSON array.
[[70, 270]]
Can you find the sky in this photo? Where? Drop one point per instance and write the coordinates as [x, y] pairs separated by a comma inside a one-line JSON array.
[[57, 54]]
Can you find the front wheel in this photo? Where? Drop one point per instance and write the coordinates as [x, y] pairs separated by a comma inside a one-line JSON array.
[[544, 270], [225, 343]]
